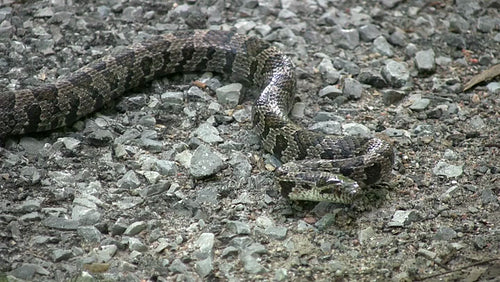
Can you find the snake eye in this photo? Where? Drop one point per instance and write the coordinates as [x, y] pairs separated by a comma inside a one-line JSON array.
[[332, 180]]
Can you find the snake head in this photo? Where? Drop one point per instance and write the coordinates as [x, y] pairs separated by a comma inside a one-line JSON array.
[[316, 186]]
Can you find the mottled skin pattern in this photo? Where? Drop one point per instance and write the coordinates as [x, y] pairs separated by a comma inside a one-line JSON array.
[[332, 168]]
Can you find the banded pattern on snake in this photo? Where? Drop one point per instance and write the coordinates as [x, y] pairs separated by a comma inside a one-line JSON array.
[[317, 167]]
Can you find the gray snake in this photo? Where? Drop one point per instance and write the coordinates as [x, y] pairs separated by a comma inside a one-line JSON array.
[[317, 167]]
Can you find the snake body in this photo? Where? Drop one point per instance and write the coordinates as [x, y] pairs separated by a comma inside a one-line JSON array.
[[317, 167]]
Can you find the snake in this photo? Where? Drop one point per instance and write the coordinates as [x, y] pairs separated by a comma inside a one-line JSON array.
[[315, 166]]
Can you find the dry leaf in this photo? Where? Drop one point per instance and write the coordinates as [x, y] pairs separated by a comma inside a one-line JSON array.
[[484, 76]]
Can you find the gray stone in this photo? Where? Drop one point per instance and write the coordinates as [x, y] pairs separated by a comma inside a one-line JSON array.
[[497, 37], [326, 247], [242, 168], [31, 145], [345, 38], [425, 61], [128, 135], [450, 155], [132, 14], [348, 66], [62, 178], [70, 143], [327, 127], [263, 29], [58, 255], [135, 228], [328, 72], [427, 254], [151, 145], [380, 45], [32, 216], [398, 38], [493, 87], [390, 3], [147, 121], [242, 115], [419, 105], [458, 24], [455, 40], [118, 227], [251, 265], [477, 123], [229, 95], [480, 242], [369, 32], [205, 163], [448, 170], [365, 235], [396, 73], [205, 244], [264, 221], [486, 23], [29, 206], [286, 14], [46, 12], [281, 274], [135, 244], [103, 11], [164, 167], [330, 91], [326, 221], [229, 251], [204, 267], [13, 227], [423, 130], [184, 158], [6, 29], [449, 193], [443, 61], [238, 227], [391, 96], [411, 49], [129, 180], [207, 195], [173, 97], [244, 26], [298, 110], [373, 78], [106, 253], [327, 116], [392, 132], [355, 129], [60, 223], [177, 266], [352, 89], [152, 176], [255, 249], [100, 137], [485, 60], [403, 218], [488, 196], [207, 133], [445, 234], [85, 215], [276, 232], [89, 234], [241, 242], [27, 271]]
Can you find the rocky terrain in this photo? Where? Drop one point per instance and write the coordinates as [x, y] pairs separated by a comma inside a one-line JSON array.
[[170, 183]]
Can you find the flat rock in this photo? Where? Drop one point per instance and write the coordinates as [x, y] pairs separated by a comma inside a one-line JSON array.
[[205, 162]]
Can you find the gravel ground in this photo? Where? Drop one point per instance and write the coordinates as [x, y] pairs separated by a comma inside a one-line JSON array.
[[171, 183]]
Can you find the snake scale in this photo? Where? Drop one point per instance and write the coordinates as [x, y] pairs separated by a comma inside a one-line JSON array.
[[317, 167]]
